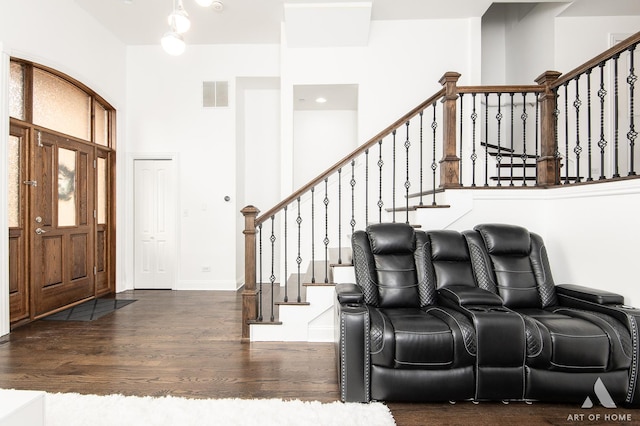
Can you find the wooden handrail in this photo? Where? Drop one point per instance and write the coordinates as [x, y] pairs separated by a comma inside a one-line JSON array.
[[348, 158], [606, 55], [501, 89]]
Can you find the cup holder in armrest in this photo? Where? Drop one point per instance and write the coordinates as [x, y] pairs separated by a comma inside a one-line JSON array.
[[477, 309], [505, 310], [354, 305]]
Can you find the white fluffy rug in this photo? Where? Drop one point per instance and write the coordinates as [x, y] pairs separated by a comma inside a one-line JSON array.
[[68, 409]]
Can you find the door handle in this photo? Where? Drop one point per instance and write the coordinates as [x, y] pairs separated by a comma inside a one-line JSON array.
[[40, 231]]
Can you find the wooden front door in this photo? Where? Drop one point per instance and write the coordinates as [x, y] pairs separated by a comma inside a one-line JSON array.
[[62, 223], [18, 233]]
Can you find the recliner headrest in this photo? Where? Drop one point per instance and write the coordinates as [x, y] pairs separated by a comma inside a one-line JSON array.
[[448, 245], [388, 238], [505, 239]]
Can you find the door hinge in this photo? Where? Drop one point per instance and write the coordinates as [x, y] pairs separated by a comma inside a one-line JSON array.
[[33, 183], [95, 214], [40, 139], [95, 164], [95, 270]]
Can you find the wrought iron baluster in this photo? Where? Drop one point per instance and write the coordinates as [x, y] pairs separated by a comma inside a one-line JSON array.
[[616, 100], [474, 156], [537, 134], [434, 166], [272, 277], [366, 185], [499, 134], [393, 179], [556, 114], [260, 285], [326, 230], [299, 257], [380, 164], [407, 182], [285, 277], [461, 138], [524, 117], [589, 130], [486, 137], [511, 141], [352, 182], [340, 216], [602, 143], [313, 235], [421, 157], [632, 134], [566, 133], [577, 103]]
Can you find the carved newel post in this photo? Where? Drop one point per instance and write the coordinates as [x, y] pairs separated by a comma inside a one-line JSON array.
[[548, 162], [450, 163], [249, 294]]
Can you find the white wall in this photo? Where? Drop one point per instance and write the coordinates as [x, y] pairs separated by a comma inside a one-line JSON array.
[[164, 101], [397, 70], [530, 42], [593, 33], [62, 36], [319, 137]]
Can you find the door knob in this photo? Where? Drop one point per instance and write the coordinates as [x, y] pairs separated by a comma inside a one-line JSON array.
[[40, 231]]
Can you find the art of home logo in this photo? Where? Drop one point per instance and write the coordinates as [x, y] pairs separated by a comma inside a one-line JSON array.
[[604, 398]]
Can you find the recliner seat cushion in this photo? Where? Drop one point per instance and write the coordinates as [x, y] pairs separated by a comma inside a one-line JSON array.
[[576, 345], [415, 340]]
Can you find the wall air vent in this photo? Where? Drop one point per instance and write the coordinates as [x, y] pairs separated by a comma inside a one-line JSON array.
[[215, 94]]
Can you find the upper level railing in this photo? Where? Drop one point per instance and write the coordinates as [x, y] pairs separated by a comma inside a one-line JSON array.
[[461, 136]]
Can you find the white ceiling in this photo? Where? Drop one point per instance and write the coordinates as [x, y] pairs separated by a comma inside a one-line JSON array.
[[143, 22]]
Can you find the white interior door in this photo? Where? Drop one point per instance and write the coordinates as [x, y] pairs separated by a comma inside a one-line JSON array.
[[154, 211]]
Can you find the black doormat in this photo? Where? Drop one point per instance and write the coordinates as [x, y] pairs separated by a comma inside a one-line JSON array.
[[90, 310]]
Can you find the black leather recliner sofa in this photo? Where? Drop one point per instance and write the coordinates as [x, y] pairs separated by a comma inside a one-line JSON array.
[[443, 315]]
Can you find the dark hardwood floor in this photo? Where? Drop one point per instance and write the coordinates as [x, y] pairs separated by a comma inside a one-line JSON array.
[[187, 343]]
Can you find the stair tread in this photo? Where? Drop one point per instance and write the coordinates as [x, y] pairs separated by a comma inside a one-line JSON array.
[[417, 207], [293, 303], [500, 148], [322, 284]]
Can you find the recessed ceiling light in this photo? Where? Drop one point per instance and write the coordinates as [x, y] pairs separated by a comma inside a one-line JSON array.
[[321, 100]]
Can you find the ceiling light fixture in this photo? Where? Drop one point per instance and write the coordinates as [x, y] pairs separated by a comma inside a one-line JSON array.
[[173, 43], [204, 3], [321, 100], [179, 19]]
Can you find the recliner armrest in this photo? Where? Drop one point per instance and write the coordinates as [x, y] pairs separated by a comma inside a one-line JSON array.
[[464, 295], [601, 297], [349, 293]]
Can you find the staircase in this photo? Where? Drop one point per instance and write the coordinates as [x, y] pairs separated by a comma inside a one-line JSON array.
[[409, 172]]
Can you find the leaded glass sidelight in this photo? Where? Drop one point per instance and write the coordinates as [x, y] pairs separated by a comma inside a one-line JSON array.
[[16, 91], [60, 105], [102, 190], [14, 181], [66, 187]]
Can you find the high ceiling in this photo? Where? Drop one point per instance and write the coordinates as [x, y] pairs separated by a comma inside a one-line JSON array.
[[142, 22]]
